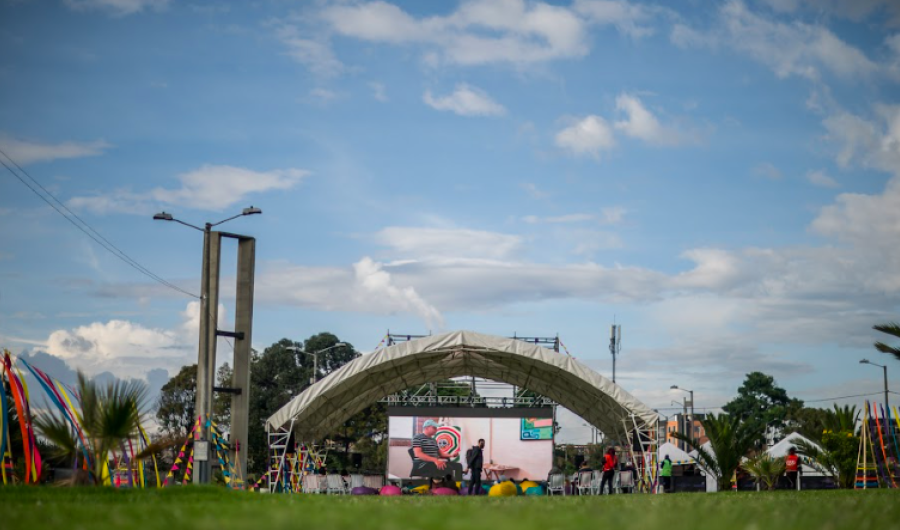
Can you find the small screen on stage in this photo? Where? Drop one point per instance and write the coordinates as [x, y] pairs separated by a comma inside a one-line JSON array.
[[515, 447]]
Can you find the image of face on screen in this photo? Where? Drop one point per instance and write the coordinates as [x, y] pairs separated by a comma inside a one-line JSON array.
[[513, 447]]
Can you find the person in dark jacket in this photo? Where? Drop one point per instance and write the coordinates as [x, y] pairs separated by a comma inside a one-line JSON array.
[[475, 461]]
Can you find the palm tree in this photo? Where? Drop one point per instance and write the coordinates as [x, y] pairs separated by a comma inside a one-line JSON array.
[[766, 469], [109, 416], [835, 451], [892, 329], [730, 439]]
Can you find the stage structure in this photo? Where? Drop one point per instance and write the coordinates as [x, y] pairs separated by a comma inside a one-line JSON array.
[[557, 378]]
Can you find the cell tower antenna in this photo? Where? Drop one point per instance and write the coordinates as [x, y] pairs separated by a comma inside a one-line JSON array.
[[615, 345]]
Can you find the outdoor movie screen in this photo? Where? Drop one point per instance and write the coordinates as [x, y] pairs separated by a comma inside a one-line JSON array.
[[515, 447]]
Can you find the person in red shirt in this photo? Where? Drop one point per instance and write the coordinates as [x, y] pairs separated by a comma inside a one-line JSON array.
[[609, 469], [792, 466]]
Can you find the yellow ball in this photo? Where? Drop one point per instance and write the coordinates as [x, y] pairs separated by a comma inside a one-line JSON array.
[[528, 484], [503, 489]]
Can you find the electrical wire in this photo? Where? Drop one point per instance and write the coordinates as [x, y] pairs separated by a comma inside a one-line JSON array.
[[84, 227]]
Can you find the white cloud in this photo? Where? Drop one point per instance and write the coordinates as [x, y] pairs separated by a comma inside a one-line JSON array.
[[466, 100], [117, 7], [586, 136], [568, 218], [492, 31], [609, 216], [126, 348], [642, 124], [789, 49], [27, 152], [819, 178], [322, 96], [375, 286], [316, 55], [378, 91], [209, 187], [533, 190], [412, 242], [613, 215], [872, 143], [767, 170], [629, 18]]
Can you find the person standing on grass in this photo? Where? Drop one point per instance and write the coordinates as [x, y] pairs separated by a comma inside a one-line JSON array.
[[792, 466], [665, 474], [609, 469], [475, 461]]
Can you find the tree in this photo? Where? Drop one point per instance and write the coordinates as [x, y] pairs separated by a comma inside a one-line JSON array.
[[175, 409], [277, 375], [892, 329], [221, 400], [766, 469], [730, 440], [110, 415], [835, 448], [761, 402]]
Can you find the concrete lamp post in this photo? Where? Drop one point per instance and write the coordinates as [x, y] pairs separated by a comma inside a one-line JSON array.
[[209, 333]]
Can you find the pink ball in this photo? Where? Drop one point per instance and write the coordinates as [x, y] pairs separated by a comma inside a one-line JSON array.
[[391, 491], [443, 491]]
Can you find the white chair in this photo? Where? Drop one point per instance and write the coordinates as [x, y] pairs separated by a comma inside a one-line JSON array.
[[556, 484], [596, 480], [335, 485], [626, 480], [357, 481], [310, 484], [584, 482]]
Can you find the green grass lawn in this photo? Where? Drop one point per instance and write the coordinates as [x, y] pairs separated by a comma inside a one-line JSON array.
[[36, 508]]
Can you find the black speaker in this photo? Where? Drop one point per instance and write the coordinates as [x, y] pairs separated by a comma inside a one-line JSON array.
[[357, 460]]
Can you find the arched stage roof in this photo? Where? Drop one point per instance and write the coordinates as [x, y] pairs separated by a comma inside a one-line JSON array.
[[326, 405]]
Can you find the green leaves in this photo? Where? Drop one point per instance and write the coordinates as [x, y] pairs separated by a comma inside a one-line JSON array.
[[730, 440], [110, 414], [892, 329], [766, 469]]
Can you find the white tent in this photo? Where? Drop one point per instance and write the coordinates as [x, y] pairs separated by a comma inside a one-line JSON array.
[[676, 455], [324, 406], [780, 449], [711, 485]]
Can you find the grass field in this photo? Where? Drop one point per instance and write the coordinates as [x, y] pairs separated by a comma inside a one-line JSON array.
[[201, 508]]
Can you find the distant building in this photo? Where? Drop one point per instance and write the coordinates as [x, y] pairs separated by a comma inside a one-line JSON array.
[[677, 424]]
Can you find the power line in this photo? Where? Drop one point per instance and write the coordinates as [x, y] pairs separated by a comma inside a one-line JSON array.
[[87, 229], [804, 401]]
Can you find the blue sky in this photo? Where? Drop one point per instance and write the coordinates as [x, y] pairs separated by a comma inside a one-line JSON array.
[[721, 180]]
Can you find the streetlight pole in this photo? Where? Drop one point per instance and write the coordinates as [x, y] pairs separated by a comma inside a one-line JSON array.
[[209, 332], [315, 354], [883, 367], [676, 387]]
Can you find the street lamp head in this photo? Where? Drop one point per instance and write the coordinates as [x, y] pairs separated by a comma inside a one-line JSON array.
[[163, 216], [674, 387], [251, 210], [864, 361], [340, 344]]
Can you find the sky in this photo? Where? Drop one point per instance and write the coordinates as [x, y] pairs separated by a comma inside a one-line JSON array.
[[722, 180]]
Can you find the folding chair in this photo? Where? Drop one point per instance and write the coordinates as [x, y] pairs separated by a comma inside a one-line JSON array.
[[335, 485], [596, 480], [584, 482], [556, 484], [310, 484]]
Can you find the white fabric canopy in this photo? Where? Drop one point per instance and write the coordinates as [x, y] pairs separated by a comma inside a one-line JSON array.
[[324, 406], [780, 449], [676, 455]]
